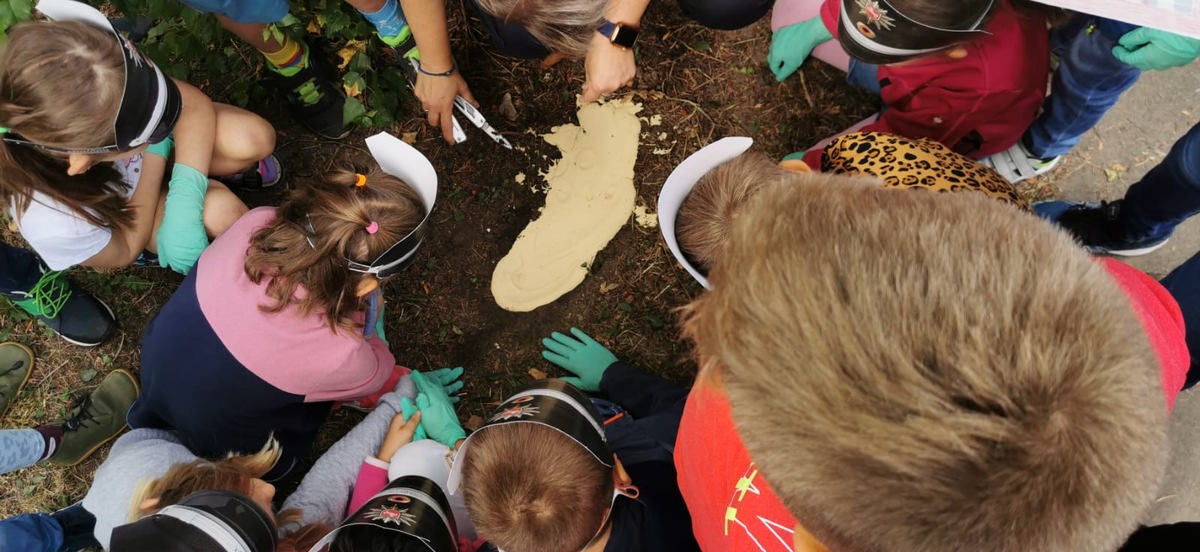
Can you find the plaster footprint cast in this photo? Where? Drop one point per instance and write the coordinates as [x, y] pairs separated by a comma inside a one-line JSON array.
[[591, 197]]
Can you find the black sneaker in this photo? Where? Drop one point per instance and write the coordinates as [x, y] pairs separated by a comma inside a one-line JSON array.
[[1098, 227], [70, 311], [313, 97], [265, 175]]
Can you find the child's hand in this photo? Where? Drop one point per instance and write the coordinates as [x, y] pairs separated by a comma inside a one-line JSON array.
[[400, 433], [1148, 49], [408, 409], [580, 355], [791, 45], [437, 412]]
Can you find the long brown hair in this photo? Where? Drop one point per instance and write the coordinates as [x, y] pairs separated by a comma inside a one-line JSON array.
[[335, 214], [60, 86]]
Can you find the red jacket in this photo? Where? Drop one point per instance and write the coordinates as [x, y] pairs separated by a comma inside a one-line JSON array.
[[978, 105], [733, 507]]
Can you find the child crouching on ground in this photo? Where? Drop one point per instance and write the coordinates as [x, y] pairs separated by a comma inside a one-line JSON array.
[[702, 197], [922, 374], [552, 471], [268, 330]]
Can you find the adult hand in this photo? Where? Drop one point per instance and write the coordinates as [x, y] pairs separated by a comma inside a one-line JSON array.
[[791, 45], [401, 432], [181, 236], [1152, 49], [608, 67], [437, 413], [580, 355], [408, 409], [437, 97]]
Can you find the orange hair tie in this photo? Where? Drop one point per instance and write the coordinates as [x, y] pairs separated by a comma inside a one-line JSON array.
[[361, 180]]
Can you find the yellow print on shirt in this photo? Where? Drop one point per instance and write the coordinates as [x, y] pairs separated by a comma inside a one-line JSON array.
[[767, 535]]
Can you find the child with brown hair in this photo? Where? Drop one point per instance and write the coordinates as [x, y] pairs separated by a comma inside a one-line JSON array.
[[970, 74], [702, 197], [918, 373], [118, 172], [271, 327], [547, 471]]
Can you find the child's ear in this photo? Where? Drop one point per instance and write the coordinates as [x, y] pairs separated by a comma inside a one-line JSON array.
[[78, 164], [148, 505], [957, 52], [620, 473], [367, 285], [803, 541], [795, 165]]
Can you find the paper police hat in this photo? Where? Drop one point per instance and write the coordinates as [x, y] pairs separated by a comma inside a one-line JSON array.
[[411, 505], [201, 522], [406, 163], [554, 404], [680, 184], [874, 31], [150, 102]]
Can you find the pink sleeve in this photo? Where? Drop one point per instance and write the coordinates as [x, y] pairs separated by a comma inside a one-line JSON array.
[[365, 371], [372, 478]]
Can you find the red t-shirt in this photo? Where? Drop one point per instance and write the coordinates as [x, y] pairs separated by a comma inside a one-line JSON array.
[[733, 508], [978, 105]]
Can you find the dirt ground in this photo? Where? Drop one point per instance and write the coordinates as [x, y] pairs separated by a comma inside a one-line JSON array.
[[704, 84]]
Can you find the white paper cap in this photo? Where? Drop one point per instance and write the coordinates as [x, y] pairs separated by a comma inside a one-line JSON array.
[[70, 10], [406, 163], [680, 184]]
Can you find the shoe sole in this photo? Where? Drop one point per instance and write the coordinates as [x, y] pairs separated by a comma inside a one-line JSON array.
[[106, 334], [28, 373], [1130, 252], [109, 439]]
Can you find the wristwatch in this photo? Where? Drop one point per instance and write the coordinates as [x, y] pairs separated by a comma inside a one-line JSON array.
[[620, 34]]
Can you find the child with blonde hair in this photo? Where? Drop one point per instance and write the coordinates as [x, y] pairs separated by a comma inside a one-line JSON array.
[[887, 371], [272, 327]]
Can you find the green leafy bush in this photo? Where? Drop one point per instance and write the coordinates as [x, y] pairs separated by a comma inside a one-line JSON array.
[[192, 46]]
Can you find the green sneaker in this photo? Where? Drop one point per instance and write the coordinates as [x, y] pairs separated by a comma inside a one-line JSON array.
[[312, 95], [96, 418], [16, 363], [73, 314]]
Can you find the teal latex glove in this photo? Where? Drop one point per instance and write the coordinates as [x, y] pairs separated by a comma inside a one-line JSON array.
[[163, 148], [449, 378], [379, 325], [437, 413], [791, 45], [181, 236], [1152, 49], [795, 156], [407, 409], [579, 355]]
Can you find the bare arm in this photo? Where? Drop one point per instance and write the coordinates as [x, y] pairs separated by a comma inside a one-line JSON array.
[[608, 66], [127, 243], [427, 18]]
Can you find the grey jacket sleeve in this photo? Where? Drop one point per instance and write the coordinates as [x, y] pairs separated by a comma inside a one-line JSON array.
[[324, 493]]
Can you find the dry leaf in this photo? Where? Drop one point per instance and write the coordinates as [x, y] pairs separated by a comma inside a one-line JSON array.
[[537, 374], [409, 138], [352, 91], [352, 48], [1111, 175], [313, 27], [605, 288], [507, 108], [473, 423]]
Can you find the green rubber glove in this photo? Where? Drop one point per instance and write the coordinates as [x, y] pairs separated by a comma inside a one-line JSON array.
[[407, 409], [449, 378], [791, 45], [181, 236], [163, 148], [437, 413], [1152, 49], [579, 355]]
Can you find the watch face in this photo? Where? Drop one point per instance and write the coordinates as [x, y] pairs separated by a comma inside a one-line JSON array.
[[625, 36]]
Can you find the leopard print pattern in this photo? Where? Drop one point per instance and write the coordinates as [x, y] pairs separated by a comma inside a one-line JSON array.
[[920, 164]]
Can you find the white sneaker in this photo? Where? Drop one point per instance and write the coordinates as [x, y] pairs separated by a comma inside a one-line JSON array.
[[1016, 163]]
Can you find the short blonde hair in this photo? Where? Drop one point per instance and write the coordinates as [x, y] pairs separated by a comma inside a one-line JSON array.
[[529, 488], [563, 26], [923, 373]]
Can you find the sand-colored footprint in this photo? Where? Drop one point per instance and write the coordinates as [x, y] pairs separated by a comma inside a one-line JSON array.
[[590, 197]]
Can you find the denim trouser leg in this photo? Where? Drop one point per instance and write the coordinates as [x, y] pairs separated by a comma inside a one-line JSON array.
[[68, 530], [1183, 283], [19, 268], [1088, 82], [20, 448], [1168, 194]]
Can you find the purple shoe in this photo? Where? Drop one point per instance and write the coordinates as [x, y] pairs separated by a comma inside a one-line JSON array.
[[266, 175]]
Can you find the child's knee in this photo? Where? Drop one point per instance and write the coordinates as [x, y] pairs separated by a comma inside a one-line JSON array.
[[221, 209], [245, 136]]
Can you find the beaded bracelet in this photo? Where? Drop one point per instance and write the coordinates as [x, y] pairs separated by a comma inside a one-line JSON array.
[[422, 70]]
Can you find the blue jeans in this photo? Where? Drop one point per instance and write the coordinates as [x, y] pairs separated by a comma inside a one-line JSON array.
[[1167, 195], [864, 76], [1088, 82], [67, 530], [1183, 283], [20, 448]]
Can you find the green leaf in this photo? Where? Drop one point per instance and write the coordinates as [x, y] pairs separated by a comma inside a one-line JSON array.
[[624, 307], [288, 20], [701, 45], [744, 70], [87, 375], [353, 111]]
